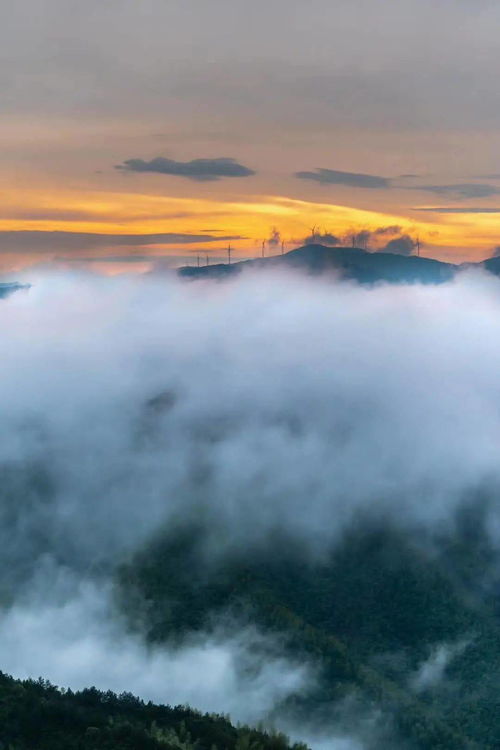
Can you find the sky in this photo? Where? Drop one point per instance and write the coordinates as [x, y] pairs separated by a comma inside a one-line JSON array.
[[173, 127]]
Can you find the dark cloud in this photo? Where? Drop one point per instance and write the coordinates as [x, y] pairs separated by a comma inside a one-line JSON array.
[[132, 258], [384, 231], [458, 209], [402, 245], [39, 241], [274, 238], [323, 238], [202, 170], [355, 238], [464, 190], [352, 179]]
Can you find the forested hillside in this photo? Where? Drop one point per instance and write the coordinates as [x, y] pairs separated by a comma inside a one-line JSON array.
[[370, 616], [35, 715]]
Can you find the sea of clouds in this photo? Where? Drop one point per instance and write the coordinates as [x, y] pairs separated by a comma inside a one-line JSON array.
[[273, 401]]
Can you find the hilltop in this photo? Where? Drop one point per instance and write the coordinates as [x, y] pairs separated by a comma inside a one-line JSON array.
[[349, 263], [7, 288]]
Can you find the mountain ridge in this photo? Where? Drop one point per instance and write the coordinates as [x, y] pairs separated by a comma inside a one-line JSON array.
[[353, 264]]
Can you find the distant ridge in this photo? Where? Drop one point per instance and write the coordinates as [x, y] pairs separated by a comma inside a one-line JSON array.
[[10, 287], [493, 265], [351, 263]]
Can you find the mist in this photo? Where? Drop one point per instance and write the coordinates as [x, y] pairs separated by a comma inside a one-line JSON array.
[[273, 402]]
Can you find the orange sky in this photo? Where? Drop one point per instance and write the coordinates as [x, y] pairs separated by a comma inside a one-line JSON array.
[[449, 236]]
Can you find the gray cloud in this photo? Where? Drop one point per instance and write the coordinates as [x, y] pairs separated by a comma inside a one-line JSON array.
[[464, 190], [201, 170], [389, 230], [323, 238], [363, 238], [132, 258], [402, 245], [437, 72], [274, 238], [40, 241], [458, 209], [351, 179]]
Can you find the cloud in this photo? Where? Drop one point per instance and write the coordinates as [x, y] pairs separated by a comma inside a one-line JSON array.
[[431, 672], [402, 245], [464, 190], [458, 209], [282, 411], [41, 241], [133, 258], [392, 229], [274, 238], [80, 639], [323, 238], [363, 238], [351, 179], [128, 404], [202, 170]]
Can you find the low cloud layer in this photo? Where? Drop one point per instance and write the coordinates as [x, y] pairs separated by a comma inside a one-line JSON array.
[[269, 402], [431, 673], [349, 377], [201, 170], [464, 190], [76, 637]]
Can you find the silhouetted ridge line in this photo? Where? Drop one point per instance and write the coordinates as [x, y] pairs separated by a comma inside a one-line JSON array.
[[350, 263]]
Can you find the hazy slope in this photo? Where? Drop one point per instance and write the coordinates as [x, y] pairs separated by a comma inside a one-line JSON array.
[[374, 616]]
